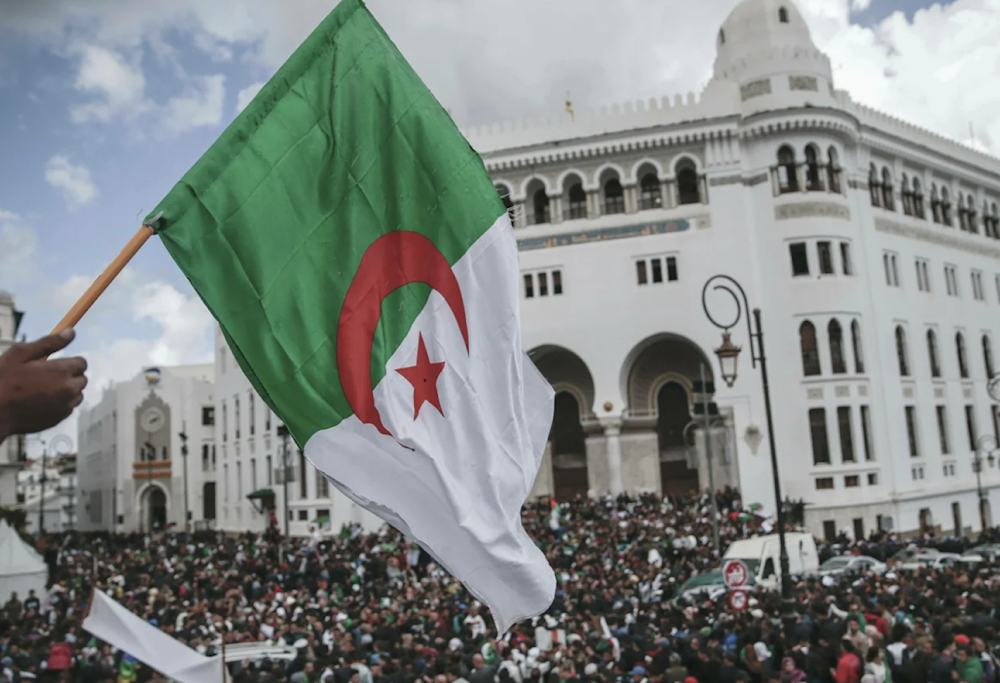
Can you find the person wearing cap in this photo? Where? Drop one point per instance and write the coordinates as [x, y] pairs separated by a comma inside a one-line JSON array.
[[638, 674]]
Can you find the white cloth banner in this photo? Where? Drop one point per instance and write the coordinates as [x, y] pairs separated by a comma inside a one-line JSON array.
[[114, 624]]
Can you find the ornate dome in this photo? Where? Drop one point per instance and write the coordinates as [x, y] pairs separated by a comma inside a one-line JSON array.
[[758, 24]]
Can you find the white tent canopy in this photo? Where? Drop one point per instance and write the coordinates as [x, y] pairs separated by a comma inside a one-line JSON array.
[[21, 567]]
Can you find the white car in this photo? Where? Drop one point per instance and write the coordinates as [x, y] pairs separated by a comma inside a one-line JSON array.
[[851, 564], [941, 561]]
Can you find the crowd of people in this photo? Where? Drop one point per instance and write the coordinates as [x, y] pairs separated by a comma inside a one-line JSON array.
[[369, 608]]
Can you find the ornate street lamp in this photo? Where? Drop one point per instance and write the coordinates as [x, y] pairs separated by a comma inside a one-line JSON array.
[[728, 355]]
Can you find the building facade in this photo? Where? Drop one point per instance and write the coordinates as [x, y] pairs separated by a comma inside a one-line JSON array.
[[133, 474], [54, 495], [872, 248], [12, 449]]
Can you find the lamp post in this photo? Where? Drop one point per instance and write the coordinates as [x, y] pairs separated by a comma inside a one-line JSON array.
[[184, 457], [987, 443], [729, 354]]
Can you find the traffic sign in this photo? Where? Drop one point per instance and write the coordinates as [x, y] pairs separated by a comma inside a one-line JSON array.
[[738, 600], [735, 574]]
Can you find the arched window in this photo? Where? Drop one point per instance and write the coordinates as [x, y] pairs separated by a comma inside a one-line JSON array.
[[576, 197], [788, 177], [902, 354], [945, 207], [540, 205], [874, 187], [935, 203], [722, 37], [995, 221], [504, 193], [810, 351], [650, 196], [906, 195], [887, 197], [963, 215], [973, 221], [988, 356], [833, 170], [688, 190], [814, 175], [614, 196], [836, 335], [932, 354], [987, 228], [858, 348], [963, 364], [783, 15], [918, 199]]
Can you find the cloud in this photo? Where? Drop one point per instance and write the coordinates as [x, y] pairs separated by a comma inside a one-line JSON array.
[[119, 86], [77, 187], [201, 105], [246, 95], [18, 240]]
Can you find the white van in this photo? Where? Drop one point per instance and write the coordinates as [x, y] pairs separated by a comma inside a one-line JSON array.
[[761, 555]]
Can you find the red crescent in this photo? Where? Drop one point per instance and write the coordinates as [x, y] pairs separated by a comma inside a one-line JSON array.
[[392, 261]]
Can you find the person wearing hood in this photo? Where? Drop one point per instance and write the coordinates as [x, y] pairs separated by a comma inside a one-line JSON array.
[[790, 673]]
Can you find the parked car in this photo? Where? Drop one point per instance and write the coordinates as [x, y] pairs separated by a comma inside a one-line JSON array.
[[914, 554], [851, 564], [941, 561], [989, 551]]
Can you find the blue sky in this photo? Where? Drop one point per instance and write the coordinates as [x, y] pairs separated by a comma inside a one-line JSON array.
[[105, 104]]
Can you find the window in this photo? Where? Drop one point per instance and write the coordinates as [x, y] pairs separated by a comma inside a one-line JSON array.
[[917, 473], [852, 481], [671, 269], [942, 423], [887, 191], [949, 469], [845, 258], [783, 15], [251, 406], [911, 431], [540, 213], [204, 457], [225, 483], [657, 271], [543, 284], [951, 280], [963, 364], [856, 345], [788, 179], [891, 269], [640, 272], [923, 276], [722, 37], [504, 193], [902, 354], [873, 478], [614, 197], [208, 416], [935, 204], [918, 199], [577, 202], [809, 349], [800, 259], [971, 210], [970, 426], [988, 356], [836, 336], [267, 418], [945, 207], [833, 171], [817, 431], [239, 481], [825, 258], [814, 178], [906, 195], [236, 415], [225, 426], [824, 483], [253, 474], [866, 434], [688, 190], [529, 286], [977, 286], [270, 471], [303, 515], [874, 187], [556, 282], [830, 529], [303, 490], [322, 486], [846, 434], [650, 196], [652, 270], [932, 353], [963, 214]]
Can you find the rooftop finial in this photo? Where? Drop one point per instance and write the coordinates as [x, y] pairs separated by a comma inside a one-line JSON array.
[[569, 107]]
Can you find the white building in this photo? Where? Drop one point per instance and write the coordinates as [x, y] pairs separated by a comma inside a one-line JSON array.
[[12, 449], [131, 466], [870, 245], [59, 482]]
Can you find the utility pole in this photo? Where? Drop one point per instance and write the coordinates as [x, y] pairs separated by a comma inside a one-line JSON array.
[[283, 433], [708, 456], [184, 457]]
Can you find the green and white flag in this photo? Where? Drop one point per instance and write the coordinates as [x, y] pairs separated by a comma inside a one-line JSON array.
[[364, 273]]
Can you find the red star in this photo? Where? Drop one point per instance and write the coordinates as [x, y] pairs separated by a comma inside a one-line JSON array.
[[423, 376]]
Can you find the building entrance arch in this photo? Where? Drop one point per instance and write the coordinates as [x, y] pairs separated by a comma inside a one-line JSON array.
[[153, 509]]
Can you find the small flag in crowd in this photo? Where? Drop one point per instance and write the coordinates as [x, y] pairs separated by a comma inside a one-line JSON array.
[[363, 270]]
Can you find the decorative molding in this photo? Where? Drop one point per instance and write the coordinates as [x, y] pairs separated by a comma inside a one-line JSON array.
[[756, 179], [908, 392], [755, 89], [725, 180], [605, 234], [786, 212], [815, 394], [840, 392], [936, 237], [803, 83]]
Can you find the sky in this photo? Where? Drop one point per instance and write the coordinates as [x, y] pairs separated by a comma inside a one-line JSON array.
[[105, 104]]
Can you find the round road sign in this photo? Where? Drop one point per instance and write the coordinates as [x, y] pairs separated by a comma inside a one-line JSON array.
[[738, 600], [735, 574]]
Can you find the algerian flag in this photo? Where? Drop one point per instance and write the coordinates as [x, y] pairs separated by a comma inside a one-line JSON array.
[[363, 271]]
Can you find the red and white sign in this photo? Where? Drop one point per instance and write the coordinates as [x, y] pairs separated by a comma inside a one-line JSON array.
[[735, 574], [738, 600]]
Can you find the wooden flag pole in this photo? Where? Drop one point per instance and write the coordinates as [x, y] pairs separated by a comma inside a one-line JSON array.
[[103, 280]]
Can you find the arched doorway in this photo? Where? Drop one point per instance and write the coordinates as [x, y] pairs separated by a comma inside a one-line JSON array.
[[572, 419], [208, 501], [673, 416], [154, 509]]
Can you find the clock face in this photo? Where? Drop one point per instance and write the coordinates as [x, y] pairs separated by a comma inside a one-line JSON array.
[[152, 420]]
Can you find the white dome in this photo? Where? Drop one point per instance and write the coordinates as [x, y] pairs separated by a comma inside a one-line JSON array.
[[756, 24]]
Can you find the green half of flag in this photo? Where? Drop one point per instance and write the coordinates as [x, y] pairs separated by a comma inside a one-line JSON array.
[[344, 145]]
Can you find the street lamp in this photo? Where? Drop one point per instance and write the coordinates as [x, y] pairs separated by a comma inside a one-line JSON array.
[[987, 443], [728, 354]]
